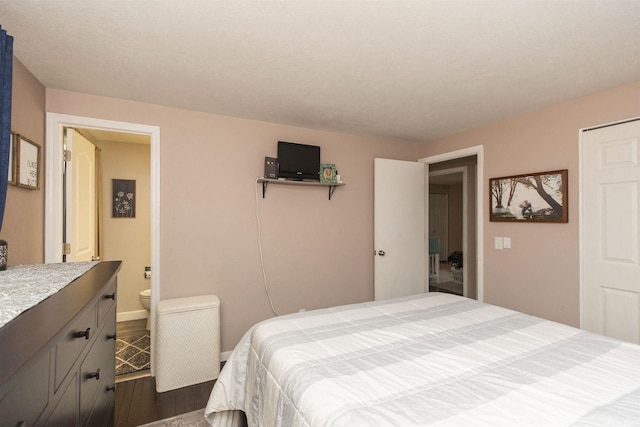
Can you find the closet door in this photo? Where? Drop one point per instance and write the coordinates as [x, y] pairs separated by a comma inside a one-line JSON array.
[[610, 231]]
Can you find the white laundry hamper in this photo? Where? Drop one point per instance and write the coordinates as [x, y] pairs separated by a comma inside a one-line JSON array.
[[187, 341]]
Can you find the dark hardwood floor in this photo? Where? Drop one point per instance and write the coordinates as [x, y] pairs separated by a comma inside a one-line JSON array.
[[131, 327], [137, 401]]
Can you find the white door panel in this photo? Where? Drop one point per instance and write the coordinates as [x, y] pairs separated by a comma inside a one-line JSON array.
[[399, 223], [82, 227], [610, 264]]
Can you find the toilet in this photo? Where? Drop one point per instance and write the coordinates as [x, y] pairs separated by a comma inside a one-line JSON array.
[[145, 300]]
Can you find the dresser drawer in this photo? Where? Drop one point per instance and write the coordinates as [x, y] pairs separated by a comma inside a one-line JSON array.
[[71, 345], [107, 301], [25, 400], [98, 368], [101, 414], [65, 413]]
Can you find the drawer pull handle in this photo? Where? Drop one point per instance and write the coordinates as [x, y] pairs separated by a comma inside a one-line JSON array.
[[110, 296], [95, 375], [111, 337], [82, 334], [111, 388]]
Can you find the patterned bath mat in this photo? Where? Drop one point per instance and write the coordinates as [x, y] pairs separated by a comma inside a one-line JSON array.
[[133, 354]]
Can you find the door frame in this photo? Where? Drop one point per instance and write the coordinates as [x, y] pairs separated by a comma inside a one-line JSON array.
[[54, 159], [478, 151], [581, 209]]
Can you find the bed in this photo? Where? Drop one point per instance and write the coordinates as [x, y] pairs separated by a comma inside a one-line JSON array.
[[431, 359]]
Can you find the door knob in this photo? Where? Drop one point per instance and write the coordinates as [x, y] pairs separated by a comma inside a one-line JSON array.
[[381, 253]]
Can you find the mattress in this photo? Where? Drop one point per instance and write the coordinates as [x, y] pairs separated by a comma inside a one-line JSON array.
[[426, 360]]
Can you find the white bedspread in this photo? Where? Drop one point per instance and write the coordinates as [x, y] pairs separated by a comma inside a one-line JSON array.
[[433, 359]]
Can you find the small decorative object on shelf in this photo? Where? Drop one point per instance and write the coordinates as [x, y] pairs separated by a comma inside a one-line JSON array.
[[328, 173], [3, 254], [270, 167]]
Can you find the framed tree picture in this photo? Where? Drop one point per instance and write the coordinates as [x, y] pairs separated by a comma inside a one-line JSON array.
[[534, 197]]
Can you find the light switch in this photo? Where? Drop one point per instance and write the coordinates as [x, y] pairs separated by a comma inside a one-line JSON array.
[[498, 241], [506, 242]]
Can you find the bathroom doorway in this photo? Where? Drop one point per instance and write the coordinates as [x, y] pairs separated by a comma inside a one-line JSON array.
[[123, 220], [54, 158]]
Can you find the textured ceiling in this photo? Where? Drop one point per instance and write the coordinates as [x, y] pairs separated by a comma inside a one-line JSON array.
[[406, 70]]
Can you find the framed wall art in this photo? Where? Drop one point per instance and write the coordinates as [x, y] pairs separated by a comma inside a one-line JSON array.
[[328, 173], [27, 163], [124, 198], [534, 197]]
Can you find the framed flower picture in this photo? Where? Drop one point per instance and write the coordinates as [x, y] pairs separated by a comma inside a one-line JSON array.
[[124, 198]]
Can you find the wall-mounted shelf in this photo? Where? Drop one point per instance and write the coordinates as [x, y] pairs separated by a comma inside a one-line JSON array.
[[332, 185]]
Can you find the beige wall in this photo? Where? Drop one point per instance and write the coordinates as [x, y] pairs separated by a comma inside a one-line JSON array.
[[540, 274], [127, 239], [23, 223], [317, 252]]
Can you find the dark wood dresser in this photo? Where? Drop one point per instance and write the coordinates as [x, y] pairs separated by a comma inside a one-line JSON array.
[[57, 359]]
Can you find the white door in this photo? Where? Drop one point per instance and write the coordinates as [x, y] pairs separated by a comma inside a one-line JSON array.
[[438, 214], [82, 220], [399, 228], [610, 231]]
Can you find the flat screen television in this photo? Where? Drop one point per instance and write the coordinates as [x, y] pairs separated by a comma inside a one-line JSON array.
[[298, 161]]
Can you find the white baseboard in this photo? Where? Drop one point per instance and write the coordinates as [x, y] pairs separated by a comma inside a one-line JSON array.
[[131, 315], [224, 356]]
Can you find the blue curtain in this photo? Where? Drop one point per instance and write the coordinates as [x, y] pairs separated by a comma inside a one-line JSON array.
[[6, 72]]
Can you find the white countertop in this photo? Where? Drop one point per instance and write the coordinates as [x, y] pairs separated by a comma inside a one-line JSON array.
[[24, 286]]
